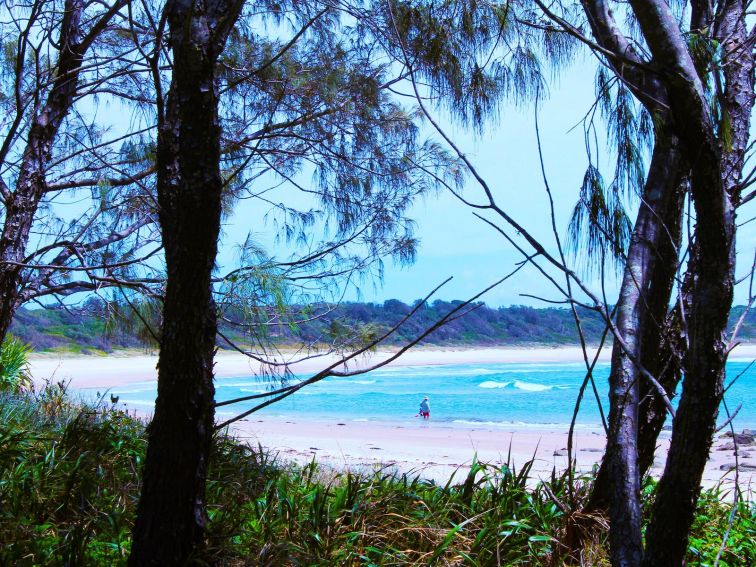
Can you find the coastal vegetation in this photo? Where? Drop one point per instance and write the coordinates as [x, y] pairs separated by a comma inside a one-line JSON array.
[[90, 330]]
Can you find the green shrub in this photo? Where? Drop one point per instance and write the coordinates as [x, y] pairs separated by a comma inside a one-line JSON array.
[[711, 523]]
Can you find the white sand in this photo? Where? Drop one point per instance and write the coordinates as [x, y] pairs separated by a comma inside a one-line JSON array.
[[118, 369], [435, 449]]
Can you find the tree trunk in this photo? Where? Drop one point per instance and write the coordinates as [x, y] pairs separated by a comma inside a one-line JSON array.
[[170, 524], [714, 153], [644, 301], [618, 483], [23, 202], [693, 427], [715, 192], [662, 359], [20, 210], [660, 343]]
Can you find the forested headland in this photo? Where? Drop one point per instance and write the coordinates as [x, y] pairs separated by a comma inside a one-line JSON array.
[[87, 329]]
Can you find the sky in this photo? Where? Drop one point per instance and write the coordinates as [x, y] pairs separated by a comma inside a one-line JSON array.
[[456, 243], [453, 242]]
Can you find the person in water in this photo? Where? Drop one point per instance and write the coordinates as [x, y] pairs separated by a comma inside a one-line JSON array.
[[425, 408]]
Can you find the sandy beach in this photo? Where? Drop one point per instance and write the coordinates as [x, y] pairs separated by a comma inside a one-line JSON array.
[[437, 450], [433, 449], [118, 369]]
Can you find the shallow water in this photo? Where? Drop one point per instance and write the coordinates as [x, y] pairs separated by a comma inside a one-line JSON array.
[[523, 395]]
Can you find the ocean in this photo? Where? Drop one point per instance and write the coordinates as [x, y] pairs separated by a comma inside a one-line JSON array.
[[537, 395]]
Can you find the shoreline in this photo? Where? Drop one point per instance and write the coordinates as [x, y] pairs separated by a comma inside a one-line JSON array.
[[437, 450], [117, 369], [434, 449], [123, 368]]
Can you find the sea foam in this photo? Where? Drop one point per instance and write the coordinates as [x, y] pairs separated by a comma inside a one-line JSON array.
[[516, 384]]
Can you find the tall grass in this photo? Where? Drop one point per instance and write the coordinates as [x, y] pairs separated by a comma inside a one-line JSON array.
[[306, 516], [14, 366], [68, 481], [69, 486]]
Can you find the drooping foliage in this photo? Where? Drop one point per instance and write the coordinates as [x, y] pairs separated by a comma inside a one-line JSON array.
[[600, 226]]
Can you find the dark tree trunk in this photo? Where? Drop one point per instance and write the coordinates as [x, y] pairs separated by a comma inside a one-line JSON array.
[[170, 524], [618, 482], [714, 154], [20, 210], [660, 348], [693, 427], [715, 193], [22, 204], [661, 341], [645, 297], [662, 361]]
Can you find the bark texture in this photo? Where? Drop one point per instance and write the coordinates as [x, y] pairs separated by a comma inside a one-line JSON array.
[[637, 410], [642, 303], [712, 154], [618, 483], [715, 178], [660, 343], [170, 524]]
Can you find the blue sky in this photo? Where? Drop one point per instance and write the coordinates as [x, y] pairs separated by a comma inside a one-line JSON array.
[[455, 243]]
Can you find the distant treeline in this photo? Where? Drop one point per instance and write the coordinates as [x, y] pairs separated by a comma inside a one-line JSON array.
[[87, 329]]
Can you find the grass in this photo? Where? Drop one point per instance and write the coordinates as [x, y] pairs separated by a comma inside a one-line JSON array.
[[710, 525], [67, 480], [69, 487], [14, 372]]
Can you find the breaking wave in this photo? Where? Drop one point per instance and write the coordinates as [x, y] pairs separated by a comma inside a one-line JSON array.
[[517, 385]]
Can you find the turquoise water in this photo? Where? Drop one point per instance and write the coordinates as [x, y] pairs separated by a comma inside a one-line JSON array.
[[533, 394]]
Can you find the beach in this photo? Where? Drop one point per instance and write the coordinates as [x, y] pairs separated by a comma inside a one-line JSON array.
[[433, 449], [436, 451], [115, 369]]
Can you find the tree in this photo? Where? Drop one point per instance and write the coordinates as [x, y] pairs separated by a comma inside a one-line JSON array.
[[292, 103], [171, 515], [707, 65], [649, 270], [715, 148], [60, 57]]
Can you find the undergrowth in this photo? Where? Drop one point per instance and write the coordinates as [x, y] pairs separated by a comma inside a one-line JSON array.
[[69, 487]]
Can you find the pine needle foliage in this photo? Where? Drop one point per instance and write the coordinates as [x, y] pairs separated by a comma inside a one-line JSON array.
[[472, 56], [600, 226]]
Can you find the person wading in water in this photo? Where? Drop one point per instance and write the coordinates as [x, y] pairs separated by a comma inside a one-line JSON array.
[[425, 408]]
